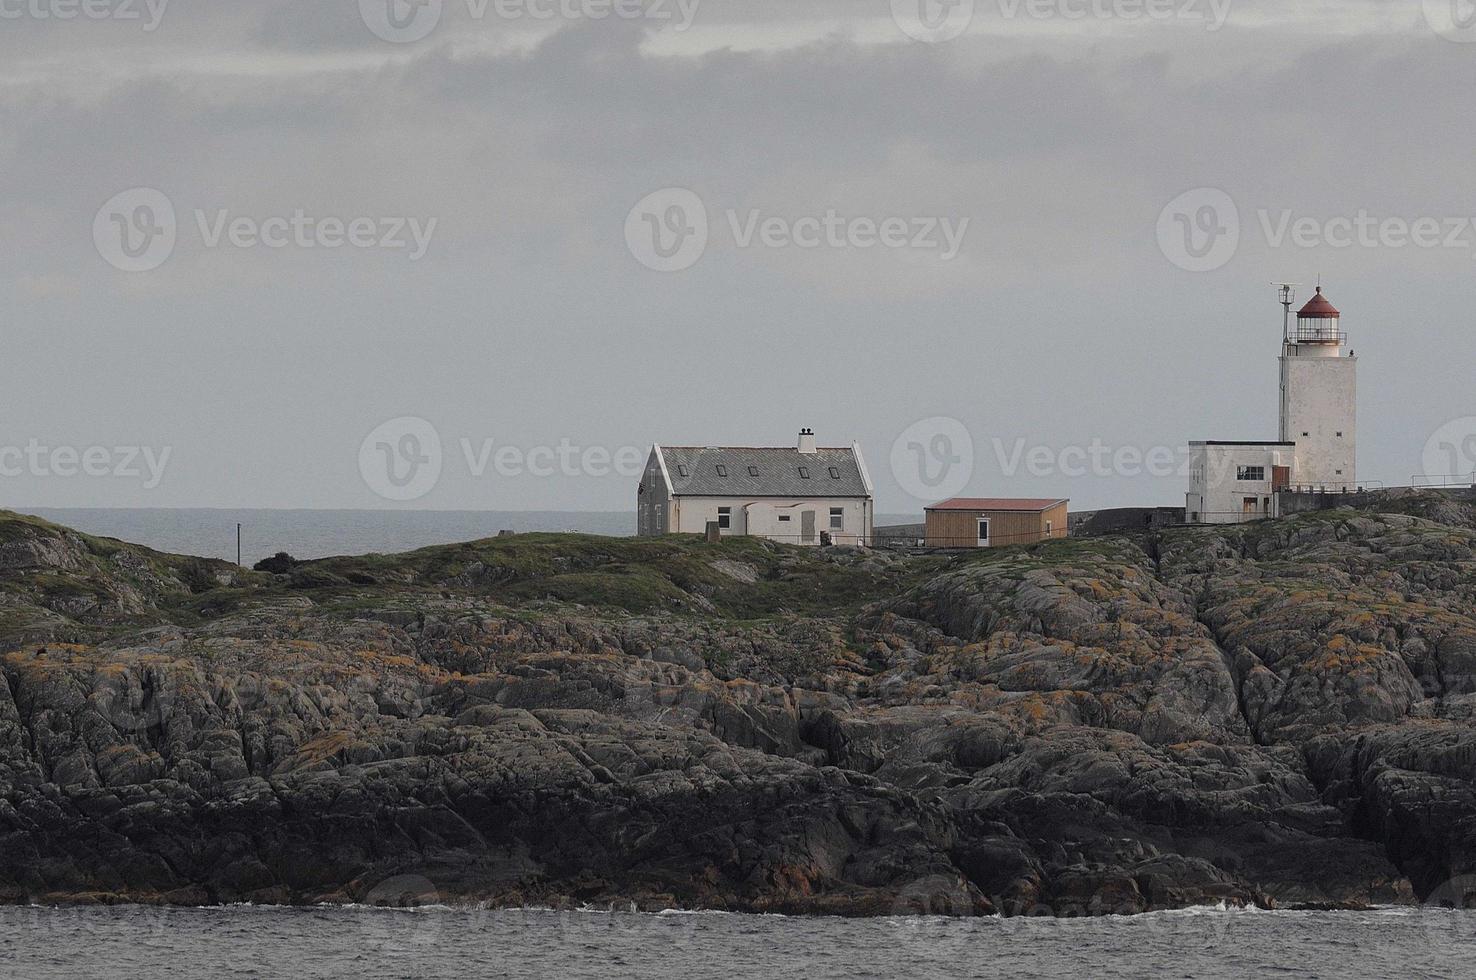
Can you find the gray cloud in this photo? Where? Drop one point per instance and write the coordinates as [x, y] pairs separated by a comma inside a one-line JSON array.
[[529, 321]]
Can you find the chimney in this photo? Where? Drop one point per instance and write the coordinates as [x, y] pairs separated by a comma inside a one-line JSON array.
[[807, 442]]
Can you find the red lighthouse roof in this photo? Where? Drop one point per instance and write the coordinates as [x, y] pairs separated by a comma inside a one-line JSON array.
[[1318, 308]]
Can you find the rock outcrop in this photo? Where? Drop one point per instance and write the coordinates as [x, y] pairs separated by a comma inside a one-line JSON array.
[[1281, 713]]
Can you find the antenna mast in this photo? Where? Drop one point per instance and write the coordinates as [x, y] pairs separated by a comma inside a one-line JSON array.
[[1288, 297]]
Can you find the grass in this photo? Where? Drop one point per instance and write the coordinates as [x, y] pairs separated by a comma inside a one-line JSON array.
[[680, 576]]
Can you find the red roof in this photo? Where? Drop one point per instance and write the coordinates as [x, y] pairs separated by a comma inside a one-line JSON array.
[[1318, 308], [1028, 505]]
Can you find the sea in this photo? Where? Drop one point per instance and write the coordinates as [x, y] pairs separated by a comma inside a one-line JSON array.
[[365, 943], [308, 534]]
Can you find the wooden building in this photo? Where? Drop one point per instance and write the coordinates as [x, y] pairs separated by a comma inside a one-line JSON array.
[[967, 522]]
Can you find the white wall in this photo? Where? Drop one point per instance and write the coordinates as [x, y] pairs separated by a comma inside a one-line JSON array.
[[1217, 495], [1320, 414], [761, 517]]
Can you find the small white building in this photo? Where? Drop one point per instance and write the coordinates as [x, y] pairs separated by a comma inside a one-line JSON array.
[[789, 494], [1236, 481], [1317, 450]]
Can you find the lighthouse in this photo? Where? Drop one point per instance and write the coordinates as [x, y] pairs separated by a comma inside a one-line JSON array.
[[1319, 396]]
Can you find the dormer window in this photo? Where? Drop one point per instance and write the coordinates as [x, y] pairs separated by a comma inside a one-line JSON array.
[[722, 471], [753, 471], [682, 471], [804, 472], [834, 473]]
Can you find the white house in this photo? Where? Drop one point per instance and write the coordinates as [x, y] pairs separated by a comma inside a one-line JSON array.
[[1317, 449], [794, 495], [1236, 481]]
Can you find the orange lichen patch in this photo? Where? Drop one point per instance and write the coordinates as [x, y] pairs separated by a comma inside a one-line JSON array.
[[1343, 654], [324, 748], [1035, 709]]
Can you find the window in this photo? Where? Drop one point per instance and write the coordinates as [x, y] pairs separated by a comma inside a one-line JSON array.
[[804, 472], [1250, 473], [682, 471], [722, 472], [725, 518], [1048, 528], [753, 471], [834, 473], [784, 518], [1340, 472], [837, 518], [1306, 434], [1340, 435]]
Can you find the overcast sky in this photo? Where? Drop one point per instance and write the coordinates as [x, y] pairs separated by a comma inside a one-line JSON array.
[[252, 239]]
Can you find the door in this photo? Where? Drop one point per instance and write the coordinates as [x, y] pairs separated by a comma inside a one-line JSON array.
[[983, 532], [807, 527], [1248, 506]]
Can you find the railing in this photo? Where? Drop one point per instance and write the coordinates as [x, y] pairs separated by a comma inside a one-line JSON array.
[[1360, 487], [1313, 336], [1448, 480]]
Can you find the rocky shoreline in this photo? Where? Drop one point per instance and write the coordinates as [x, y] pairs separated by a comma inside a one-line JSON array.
[[1280, 715]]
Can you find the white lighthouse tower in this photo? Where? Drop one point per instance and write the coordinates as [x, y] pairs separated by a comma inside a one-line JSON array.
[[1319, 396]]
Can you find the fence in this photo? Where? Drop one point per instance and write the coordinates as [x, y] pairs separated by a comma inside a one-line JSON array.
[[1432, 481]]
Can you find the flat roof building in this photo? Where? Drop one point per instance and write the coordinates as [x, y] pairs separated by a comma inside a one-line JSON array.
[[989, 522]]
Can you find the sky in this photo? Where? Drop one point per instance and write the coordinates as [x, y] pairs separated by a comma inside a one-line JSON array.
[[455, 254]]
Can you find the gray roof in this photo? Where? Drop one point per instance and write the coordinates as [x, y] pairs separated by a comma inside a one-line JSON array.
[[778, 472]]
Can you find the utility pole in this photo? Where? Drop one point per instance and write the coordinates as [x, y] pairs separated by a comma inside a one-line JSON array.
[[238, 546]]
